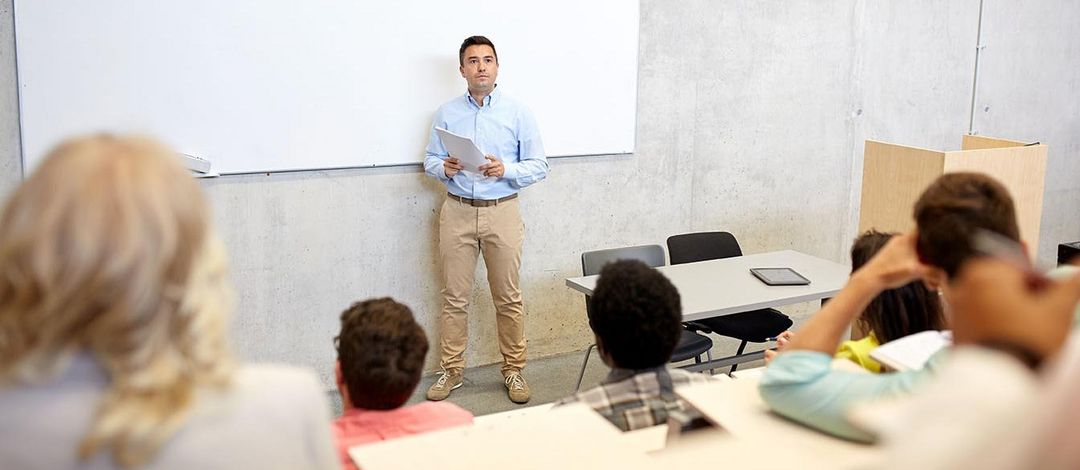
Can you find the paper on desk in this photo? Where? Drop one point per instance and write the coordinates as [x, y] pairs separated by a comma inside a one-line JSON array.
[[736, 407], [911, 352], [462, 148]]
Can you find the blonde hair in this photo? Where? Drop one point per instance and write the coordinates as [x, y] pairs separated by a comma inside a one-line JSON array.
[[107, 250]]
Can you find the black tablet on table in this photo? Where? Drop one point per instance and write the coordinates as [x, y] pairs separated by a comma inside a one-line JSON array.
[[779, 276]]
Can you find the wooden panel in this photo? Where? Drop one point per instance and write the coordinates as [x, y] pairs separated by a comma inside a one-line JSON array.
[[978, 142], [893, 178], [1022, 170]]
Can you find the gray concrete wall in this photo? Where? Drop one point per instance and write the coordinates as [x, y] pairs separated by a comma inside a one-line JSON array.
[[1029, 89], [751, 118], [912, 84], [10, 140]]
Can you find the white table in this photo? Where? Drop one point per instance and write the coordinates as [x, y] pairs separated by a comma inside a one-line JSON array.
[[725, 286]]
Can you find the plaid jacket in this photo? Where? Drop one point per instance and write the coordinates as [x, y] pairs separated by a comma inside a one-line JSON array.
[[633, 399]]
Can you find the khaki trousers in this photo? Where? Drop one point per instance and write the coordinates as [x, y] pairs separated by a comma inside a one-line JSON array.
[[498, 233]]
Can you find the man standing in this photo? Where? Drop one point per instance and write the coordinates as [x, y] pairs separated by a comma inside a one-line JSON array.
[[481, 214]]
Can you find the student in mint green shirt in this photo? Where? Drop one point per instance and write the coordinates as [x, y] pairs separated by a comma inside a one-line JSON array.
[[799, 382]]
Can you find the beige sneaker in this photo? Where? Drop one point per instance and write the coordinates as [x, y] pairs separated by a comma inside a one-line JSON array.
[[516, 388], [448, 380]]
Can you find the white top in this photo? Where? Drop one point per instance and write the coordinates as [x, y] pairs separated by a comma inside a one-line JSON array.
[[725, 286], [985, 410], [272, 417]]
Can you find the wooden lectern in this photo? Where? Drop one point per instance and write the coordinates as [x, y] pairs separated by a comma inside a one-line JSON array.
[[895, 175]]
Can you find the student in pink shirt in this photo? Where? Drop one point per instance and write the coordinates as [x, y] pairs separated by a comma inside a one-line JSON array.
[[381, 352]]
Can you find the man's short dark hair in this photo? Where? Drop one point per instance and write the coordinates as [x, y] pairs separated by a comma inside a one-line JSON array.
[[475, 41], [381, 349], [636, 313], [952, 208]]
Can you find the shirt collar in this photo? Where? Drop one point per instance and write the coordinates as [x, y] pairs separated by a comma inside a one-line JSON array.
[[618, 374], [492, 97], [366, 415]]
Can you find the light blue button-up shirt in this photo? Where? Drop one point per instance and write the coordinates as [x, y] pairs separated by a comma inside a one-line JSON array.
[[503, 127]]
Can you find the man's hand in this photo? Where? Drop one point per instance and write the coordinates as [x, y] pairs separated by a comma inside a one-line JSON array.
[[451, 166], [993, 301], [895, 265], [494, 168]]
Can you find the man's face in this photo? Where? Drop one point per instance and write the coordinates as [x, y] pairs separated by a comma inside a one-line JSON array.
[[480, 68]]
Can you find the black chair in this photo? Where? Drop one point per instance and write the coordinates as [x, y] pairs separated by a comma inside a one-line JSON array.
[[691, 345], [754, 326]]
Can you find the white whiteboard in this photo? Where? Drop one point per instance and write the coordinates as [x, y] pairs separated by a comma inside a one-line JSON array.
[[280, 85]]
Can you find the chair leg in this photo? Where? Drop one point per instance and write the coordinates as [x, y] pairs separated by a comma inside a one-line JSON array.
[[708, 356], [584, 363], [741, 348]]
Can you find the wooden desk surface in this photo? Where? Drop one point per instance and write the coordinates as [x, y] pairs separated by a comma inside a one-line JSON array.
[[725, 286]]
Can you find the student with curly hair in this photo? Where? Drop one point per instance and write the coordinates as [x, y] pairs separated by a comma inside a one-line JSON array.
[[636, 314]]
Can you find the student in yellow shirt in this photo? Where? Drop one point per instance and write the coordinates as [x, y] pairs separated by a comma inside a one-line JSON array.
[[894, 313]]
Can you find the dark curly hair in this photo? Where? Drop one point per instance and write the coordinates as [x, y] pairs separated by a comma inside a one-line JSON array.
[[899, 312], [636, 313], [381, 349], [950, 210]]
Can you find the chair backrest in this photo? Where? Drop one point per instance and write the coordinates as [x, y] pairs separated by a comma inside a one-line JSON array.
[[593, 261], [692, 247]]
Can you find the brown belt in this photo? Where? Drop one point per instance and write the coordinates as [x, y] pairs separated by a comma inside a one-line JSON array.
[[481, 202]]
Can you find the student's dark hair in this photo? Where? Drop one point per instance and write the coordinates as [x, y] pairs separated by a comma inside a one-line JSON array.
[[899, 312], [952, 208], [476, 41], [636, 313], [381, 349]]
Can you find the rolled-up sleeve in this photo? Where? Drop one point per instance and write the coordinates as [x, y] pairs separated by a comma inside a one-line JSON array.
[[435, 153], [802, 386]]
